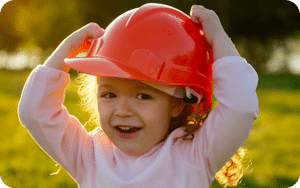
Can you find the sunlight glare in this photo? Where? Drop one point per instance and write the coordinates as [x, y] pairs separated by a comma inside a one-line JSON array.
[[18, 61], [294, 65]]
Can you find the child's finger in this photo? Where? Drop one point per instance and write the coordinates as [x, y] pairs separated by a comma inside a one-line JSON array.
[[80, 40], [209, 21], [194, 7], [199, 13], [93, 30], [88, 32], [194, 17]]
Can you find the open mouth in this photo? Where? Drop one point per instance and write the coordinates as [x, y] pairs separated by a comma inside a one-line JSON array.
[[127, 132], [126, 129]]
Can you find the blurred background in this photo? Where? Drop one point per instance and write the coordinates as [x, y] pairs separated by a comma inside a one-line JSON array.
[[266, 33]]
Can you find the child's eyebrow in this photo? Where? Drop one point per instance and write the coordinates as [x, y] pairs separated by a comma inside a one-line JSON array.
[[146, 88], [141, 88], [105, 86], [137, 88]]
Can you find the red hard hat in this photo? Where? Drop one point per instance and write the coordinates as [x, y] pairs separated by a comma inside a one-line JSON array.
[[154, 43]]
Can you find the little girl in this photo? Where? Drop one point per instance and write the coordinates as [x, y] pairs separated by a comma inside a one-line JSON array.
[[150, 91]]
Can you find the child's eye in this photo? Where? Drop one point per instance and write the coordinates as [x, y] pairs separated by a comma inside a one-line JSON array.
[[108, 95], [143, 96]]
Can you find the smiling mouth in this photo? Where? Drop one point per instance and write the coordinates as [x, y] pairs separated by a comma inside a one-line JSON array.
[[127, 129]]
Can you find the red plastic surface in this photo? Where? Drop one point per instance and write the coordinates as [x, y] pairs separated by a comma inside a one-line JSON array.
[[155, 43]]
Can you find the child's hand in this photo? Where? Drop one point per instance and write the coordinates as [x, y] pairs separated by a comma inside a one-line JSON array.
[[214, 33], [66, 48]]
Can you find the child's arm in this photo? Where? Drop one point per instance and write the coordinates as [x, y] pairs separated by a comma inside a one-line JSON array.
[[42, 112], [215, 35], [71, 43], [229, 123]]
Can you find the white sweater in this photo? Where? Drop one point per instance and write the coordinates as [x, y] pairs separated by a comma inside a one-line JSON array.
[[93, 161]]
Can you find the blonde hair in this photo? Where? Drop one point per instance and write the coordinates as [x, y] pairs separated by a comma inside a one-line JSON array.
[[191, 119], [87, 92]]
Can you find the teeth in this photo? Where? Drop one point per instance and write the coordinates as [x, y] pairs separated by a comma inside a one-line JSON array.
[[124, 128]]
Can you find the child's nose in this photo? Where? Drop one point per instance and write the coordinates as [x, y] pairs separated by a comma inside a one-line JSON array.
[[123, 109]]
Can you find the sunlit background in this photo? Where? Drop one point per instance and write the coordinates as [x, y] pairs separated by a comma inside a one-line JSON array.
[[266, 33]]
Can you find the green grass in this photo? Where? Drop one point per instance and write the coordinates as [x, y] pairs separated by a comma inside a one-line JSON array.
[[274, 143]]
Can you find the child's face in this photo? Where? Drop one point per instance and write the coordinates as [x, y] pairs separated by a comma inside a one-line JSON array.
[[130, 103]]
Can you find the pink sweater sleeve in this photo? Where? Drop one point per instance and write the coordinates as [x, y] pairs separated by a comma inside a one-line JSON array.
[[42, 112], [229, 123]]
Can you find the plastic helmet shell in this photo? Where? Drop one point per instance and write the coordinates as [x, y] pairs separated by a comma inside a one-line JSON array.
[[155, 43]]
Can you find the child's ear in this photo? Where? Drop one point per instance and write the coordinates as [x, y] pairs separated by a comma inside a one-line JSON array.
[[177, 107]]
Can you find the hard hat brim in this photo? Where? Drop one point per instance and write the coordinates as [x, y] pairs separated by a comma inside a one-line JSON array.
[[103, 67]]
